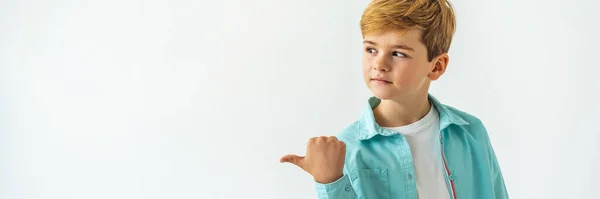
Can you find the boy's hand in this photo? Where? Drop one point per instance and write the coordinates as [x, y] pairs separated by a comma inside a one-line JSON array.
[[324, 159]]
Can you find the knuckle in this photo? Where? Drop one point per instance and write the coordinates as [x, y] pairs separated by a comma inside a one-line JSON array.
[[317, 140]]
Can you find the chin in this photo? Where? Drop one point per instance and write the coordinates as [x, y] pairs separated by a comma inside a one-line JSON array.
[[383, 94]]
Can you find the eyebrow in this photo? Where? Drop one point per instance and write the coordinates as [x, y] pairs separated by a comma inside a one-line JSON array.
[[401, 46]]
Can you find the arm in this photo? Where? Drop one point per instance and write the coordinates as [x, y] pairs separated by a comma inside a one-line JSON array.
[[499, 188]]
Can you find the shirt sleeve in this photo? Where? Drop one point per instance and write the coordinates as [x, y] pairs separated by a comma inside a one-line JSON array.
[[500, 191], [340, 189], [499, 188]]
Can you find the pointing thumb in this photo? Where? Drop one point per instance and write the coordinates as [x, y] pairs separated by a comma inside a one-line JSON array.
[[294, 159]]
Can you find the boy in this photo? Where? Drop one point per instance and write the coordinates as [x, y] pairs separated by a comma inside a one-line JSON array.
[[406, 144]]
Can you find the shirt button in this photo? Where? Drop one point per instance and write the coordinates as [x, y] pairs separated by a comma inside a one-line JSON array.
[[410, 176], [348, 187], [451, 177]]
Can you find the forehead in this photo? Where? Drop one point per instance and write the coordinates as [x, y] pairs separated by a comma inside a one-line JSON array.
[[411, 38]]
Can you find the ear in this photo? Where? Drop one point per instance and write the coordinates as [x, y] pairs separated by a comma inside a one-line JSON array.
[[439, 65]]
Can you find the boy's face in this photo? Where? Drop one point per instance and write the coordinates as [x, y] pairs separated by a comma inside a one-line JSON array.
[[395, 65]]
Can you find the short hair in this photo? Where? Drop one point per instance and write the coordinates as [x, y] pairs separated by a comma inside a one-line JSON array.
[[434, 17]]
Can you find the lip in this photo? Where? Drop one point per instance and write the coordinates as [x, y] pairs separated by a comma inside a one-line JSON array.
[[381, 80]]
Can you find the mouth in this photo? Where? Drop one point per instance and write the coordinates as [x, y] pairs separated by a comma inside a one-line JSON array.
[[380, 80]]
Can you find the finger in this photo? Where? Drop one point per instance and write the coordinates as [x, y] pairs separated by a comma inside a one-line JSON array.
[[294, 159], [321, 139], [332, 139]]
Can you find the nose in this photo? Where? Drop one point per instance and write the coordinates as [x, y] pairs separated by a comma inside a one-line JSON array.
[[381, 65]]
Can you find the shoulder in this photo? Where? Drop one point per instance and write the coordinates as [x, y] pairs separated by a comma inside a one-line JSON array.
[[349, 133], [475, 126], [471, 119]]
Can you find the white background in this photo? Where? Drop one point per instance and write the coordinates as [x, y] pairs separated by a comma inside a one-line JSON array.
[[199, 99]]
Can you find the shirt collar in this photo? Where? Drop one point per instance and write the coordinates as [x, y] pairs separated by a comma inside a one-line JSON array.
[[368, 127]]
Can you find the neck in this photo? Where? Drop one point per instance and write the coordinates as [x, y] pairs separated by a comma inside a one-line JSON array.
[[402, 112]]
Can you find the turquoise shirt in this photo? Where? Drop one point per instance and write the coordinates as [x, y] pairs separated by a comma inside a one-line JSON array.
[[379, 164]]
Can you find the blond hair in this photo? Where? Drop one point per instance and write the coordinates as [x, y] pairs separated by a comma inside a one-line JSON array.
[[434, 17]]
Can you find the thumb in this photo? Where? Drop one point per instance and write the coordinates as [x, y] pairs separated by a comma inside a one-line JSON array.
[[294, 159]]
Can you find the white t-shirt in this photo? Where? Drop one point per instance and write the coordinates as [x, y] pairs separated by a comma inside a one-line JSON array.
[[423, 138]]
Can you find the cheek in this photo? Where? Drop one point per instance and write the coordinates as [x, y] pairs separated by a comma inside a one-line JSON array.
[[365, 61], [366, 66], [406, 73]]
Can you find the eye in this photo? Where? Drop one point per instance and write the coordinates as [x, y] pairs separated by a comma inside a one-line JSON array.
[[399, 54], [371, 50]]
